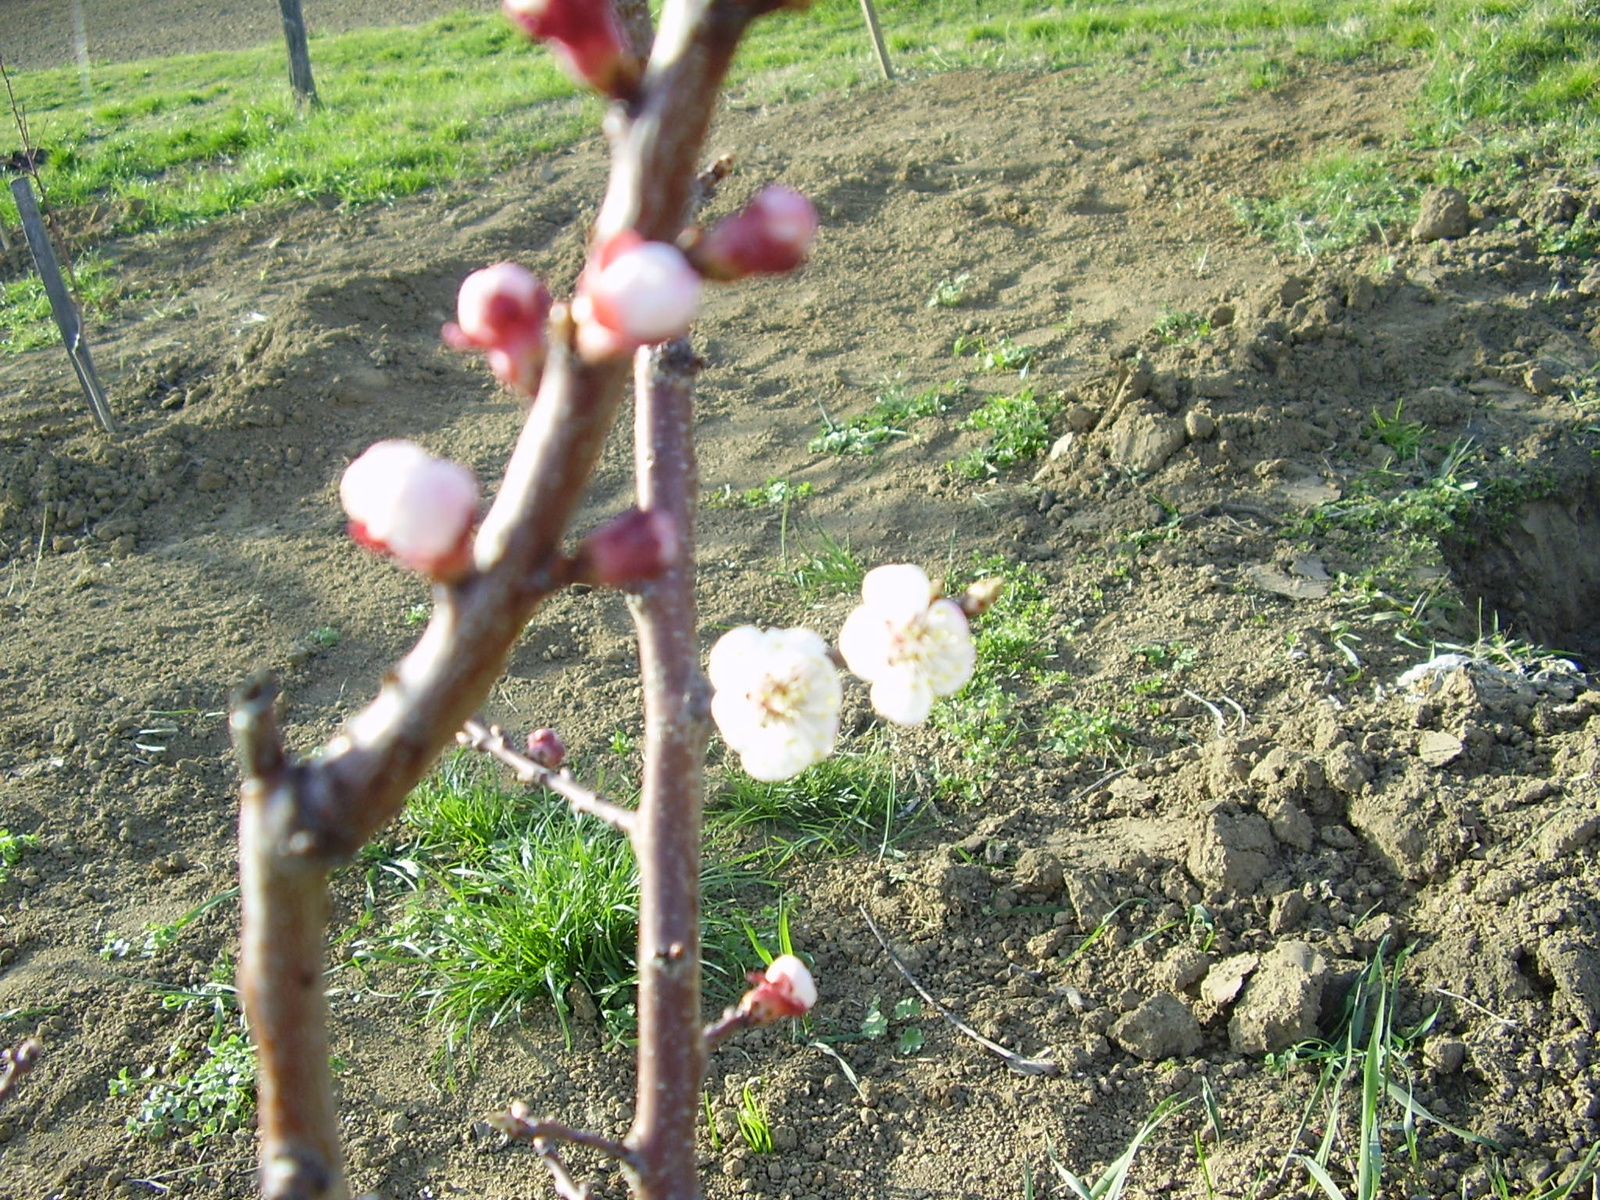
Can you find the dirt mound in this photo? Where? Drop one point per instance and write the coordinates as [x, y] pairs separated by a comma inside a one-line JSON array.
[[1274, 489]]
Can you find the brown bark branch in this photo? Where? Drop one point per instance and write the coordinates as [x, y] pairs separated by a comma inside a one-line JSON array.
[[519, 1124], [666, 840], [298, 820], [729, 1023], [492, 741]]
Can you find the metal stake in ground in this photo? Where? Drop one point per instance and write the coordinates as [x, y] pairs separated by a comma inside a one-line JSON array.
[[61, 305]]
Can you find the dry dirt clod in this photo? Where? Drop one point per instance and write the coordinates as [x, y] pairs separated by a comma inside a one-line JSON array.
[[1281, 1000], [1444, 214]]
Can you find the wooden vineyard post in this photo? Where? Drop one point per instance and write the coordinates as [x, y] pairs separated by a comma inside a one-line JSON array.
[[61, 305], [882, 51], [294, 33]]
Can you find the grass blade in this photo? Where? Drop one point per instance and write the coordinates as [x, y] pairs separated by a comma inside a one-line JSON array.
[[1320, 1176]]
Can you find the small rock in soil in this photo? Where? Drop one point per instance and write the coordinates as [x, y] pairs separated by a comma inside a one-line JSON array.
[[1224, 981], [1142, 442]]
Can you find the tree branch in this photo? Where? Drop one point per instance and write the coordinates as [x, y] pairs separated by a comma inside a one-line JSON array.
[[299, 820], [492, 741], [667, 836]]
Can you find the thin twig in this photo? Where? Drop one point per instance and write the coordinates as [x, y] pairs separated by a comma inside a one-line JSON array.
[[1234, 704], [18, 1060], [492, 740], [520, 1125], [1019, 1064], [729, 1023], [1506, 1021], [1098, 784]]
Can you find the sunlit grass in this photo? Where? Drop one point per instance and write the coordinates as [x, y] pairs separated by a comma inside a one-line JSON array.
[[185, 139]]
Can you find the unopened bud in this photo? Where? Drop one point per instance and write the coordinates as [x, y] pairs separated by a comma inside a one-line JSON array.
[[406, 503], [503, 309], [770, 235], [585, 38], [634, 293], [786, 989], [628, 550], [547, 749], [979, 597]]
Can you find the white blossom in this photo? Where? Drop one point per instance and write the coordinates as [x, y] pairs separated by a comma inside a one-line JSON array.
[[775, 699], [908, 645]]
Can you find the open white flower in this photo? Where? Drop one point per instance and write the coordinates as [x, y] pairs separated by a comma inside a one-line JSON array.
[[908, 645], [775, 699]]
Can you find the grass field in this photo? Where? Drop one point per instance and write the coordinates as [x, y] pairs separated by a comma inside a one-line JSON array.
[[176, 141]]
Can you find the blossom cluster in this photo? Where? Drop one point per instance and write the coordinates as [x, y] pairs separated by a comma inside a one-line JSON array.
[[776, 692]]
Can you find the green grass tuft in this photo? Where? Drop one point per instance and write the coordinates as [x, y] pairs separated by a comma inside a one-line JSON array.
[[854, 799], [1018, 428], [1340, 200]]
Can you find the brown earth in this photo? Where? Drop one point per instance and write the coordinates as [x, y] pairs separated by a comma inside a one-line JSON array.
[[1275, 773]]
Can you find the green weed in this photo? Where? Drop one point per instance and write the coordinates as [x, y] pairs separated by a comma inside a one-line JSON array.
[[1166, 656], [12, 847], [854, 799], [217, 1096], [1019, 430], [755, 1126], [887, 418], [1002, 354], [162, 935], [775, 493], [876, 1024], [25, 319], [1177, 327], [1373, 1053], [825, 567], [1338, 201], [1016, 642], [1114, 1180], [1077, 733], [1580, 237], [514, 899], [950, 292], [1405, 438], [1438, 503]]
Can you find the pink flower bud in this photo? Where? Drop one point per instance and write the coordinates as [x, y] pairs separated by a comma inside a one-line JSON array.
[[547, 749], [406, 503], [785, 990], [634, 293], [585, 38], [770, 235], [503, 309], [627, 551]]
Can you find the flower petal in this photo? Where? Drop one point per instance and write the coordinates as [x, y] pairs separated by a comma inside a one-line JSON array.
[[903, 696], [900, 592]]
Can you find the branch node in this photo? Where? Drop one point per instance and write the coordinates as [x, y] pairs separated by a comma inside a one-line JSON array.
[[254, 724]]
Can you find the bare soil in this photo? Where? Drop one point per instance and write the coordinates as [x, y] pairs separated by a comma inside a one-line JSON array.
[[1279, 776]]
